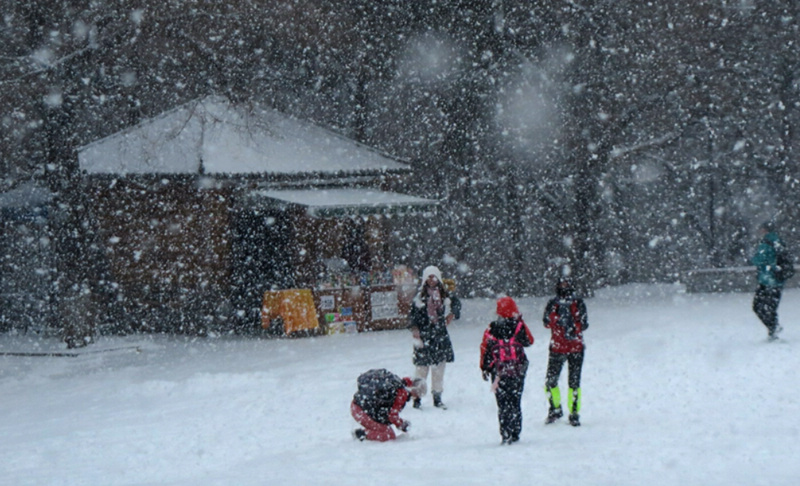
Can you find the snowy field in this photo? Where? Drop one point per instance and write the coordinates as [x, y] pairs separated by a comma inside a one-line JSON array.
[[678, 389]]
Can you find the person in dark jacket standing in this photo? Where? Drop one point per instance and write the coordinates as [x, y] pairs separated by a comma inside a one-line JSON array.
[[503, 361], [377, 404], [566, 317], [432, 310], [770, 287]]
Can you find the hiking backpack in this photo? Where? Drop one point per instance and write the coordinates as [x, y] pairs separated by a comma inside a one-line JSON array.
[[566, 318], [508, 356], [380, 385]]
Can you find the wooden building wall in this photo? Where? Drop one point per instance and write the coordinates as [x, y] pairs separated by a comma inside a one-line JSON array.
[[185, 258], [166, 242], [360, 241]]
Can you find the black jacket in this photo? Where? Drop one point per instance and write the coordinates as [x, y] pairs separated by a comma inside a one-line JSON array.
[[436, 345]]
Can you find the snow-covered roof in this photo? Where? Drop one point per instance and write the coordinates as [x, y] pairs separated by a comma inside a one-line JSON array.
[[339, 202], [213, 137]]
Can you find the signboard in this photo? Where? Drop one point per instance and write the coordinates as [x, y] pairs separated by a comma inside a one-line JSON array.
[[384, 305], [326, 302], [294, 306]]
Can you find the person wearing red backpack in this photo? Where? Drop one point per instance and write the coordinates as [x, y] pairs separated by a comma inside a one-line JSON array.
[[565, 316], [503, 361]]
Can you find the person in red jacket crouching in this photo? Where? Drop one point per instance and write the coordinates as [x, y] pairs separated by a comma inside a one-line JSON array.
[[565, 316], [377, 404], [503, 361]]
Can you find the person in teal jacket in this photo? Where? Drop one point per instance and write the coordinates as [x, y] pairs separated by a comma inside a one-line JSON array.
[[770, 288]]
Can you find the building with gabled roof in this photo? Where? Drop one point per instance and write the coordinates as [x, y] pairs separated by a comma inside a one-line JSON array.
[[203, 208]]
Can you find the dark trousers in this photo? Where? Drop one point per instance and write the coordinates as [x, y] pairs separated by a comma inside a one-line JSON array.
[[509, 406], [556, 362], [765, 305]]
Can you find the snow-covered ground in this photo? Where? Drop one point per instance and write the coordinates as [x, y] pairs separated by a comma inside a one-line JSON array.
[[678, 389]]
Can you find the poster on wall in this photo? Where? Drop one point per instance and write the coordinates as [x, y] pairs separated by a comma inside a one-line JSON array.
[[326, 302], [384, 305]]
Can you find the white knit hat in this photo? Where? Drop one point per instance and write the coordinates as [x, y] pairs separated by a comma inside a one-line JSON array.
[[431, 270]]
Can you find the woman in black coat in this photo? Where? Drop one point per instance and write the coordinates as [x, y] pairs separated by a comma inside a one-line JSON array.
[[432, 310]]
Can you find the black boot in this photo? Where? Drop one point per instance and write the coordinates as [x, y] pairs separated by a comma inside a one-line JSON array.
[[553, 414], [417, 403], [360, 434], [574, 420], [437, 401]]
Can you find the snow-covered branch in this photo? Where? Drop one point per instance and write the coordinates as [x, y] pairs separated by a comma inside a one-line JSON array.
[[43, 67], [618, 152]]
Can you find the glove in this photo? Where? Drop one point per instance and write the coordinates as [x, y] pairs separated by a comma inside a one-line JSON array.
[[486, 375], [405, 425]]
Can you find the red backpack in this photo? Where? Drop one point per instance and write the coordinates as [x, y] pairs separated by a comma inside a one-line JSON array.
[[508, 356]]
